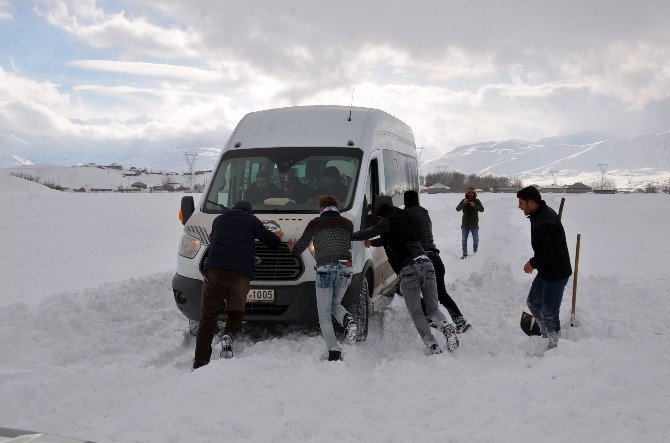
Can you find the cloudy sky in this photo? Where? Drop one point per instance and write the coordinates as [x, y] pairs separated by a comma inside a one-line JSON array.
[[97, 77]]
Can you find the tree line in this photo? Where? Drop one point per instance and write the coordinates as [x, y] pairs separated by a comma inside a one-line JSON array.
[[458, 181]]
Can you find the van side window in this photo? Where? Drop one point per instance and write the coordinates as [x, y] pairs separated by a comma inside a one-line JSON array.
[[399, 174]]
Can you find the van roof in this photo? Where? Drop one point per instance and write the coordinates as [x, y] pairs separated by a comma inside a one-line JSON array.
[[315, 126]]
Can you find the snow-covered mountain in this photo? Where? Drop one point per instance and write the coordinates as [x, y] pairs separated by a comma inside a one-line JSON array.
[[630, 161]]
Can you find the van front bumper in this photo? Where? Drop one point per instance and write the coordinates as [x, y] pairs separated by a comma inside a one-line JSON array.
[[294, 304]]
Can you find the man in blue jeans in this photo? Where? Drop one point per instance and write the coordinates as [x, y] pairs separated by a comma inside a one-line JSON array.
[[471, 207], [331, 234], [551, 259]]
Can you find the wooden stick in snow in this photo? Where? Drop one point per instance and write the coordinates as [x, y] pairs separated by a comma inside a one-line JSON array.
[[574, 282]]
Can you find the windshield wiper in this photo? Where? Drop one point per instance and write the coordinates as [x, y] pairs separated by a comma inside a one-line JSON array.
[[217, 204]]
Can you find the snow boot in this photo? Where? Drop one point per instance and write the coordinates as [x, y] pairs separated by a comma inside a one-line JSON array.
[[226, 346], [553, 339], [464, 256], [334, 355], [461, 325], [450, 334], [198, 364], [350, 328], [433, 348]]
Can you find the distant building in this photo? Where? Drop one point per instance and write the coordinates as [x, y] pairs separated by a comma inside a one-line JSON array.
[[578, 188], [139, 185], [438, 188]]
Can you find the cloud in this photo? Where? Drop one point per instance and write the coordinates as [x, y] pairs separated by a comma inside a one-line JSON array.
[[6, 11], [149, 69], [135, 36]]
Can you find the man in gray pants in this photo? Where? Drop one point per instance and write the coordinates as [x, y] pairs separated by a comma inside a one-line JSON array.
[[416, 272]]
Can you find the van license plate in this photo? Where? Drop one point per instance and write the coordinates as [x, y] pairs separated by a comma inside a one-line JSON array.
[[261, 295]]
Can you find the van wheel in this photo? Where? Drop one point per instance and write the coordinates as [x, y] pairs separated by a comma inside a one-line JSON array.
[[363, 311], [193, 326]]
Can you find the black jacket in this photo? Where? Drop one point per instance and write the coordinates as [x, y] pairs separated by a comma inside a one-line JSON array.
[[232, 240], [547, 237], [398, 239], [420, 220]]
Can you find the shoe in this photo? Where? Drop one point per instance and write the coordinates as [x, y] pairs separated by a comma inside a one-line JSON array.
[[464, 256], [449, 332], [198, 364], [431, 323], [350, 328], [226, 346], [461, 325], [334, 355], [433, 348], [474, 252]]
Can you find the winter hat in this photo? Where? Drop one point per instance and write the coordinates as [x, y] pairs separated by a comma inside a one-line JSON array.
[[411, 198], [331, 172], [243, 206]]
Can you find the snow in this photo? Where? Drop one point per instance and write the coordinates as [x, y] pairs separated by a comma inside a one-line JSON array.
[[94, 347]]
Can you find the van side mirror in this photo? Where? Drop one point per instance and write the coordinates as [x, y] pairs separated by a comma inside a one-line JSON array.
[[187, 209]]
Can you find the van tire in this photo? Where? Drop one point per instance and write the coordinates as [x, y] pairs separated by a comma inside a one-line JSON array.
[[363, 310]]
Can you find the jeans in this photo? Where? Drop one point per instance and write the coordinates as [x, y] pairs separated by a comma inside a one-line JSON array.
[[417, 279], [332, 282], [475, 239], [544, 302]]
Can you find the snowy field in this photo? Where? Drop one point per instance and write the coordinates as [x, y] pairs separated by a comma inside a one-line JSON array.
[[92, 345]]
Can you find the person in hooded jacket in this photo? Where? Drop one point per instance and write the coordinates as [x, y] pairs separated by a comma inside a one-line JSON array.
[[415, 270], [471, 207], [423, 226], [551, 259], [229, 267]]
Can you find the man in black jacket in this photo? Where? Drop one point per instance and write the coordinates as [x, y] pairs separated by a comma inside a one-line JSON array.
[[423, 226], [551, 259], [415, 270], [229, 267]]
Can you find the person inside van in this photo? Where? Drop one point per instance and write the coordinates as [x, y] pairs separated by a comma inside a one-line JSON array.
[[292, 187], [331, 184], [262, 189], [330, 233]]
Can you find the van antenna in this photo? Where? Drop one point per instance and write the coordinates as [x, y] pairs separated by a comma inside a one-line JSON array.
[[352, 104]]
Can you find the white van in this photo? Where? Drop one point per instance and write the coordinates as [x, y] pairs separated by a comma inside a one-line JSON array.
[[375, 156]]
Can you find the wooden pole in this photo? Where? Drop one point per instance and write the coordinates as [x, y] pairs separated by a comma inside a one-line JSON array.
[[560, 209], [574, 282]]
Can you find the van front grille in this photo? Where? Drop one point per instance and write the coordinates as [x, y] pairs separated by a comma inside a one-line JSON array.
[[276, 264]]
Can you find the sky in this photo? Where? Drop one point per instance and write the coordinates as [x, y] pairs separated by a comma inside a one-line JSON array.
[[90, 78]]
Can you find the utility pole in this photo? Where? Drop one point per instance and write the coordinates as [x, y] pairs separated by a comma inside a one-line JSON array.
[[190, 162], [603, 168], [553, 175]]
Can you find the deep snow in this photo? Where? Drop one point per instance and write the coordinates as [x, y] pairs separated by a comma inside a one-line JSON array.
[[92, 345]]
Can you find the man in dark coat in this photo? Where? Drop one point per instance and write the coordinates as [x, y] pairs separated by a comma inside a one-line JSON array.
[[415, 270], [229, 267], [423, 226], [471, 207], [551, 259], [330, 183], [262, 189]]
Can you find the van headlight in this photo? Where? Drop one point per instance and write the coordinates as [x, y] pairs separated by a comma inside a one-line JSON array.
[[189, 246]]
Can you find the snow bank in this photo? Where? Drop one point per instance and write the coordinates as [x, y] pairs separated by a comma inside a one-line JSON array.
[[111, 362]]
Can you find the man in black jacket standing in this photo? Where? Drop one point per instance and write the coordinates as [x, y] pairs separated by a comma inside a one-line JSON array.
[[229, 267], [423, 226], [415, 270], [551, 259]]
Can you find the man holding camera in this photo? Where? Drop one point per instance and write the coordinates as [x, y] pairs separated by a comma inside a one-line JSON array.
[[471, 207]]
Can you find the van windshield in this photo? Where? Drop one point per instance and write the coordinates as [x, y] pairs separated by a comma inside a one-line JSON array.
[[284, 179]]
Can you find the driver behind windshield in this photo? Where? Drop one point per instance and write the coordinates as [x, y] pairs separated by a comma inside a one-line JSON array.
[[262, 189], [292, 187]]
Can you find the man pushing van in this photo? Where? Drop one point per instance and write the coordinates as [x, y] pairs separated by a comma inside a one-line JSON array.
[[229, 267]]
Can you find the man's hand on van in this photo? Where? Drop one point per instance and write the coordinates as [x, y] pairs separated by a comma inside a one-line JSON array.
[[279, 234], [368, 243], [291, 244]]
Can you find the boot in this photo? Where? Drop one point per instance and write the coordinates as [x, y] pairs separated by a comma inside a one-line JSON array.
[[198, 364], [450, 334], [433, 349], [553, 339], [334, 355], [226, 346], [461, 325]]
